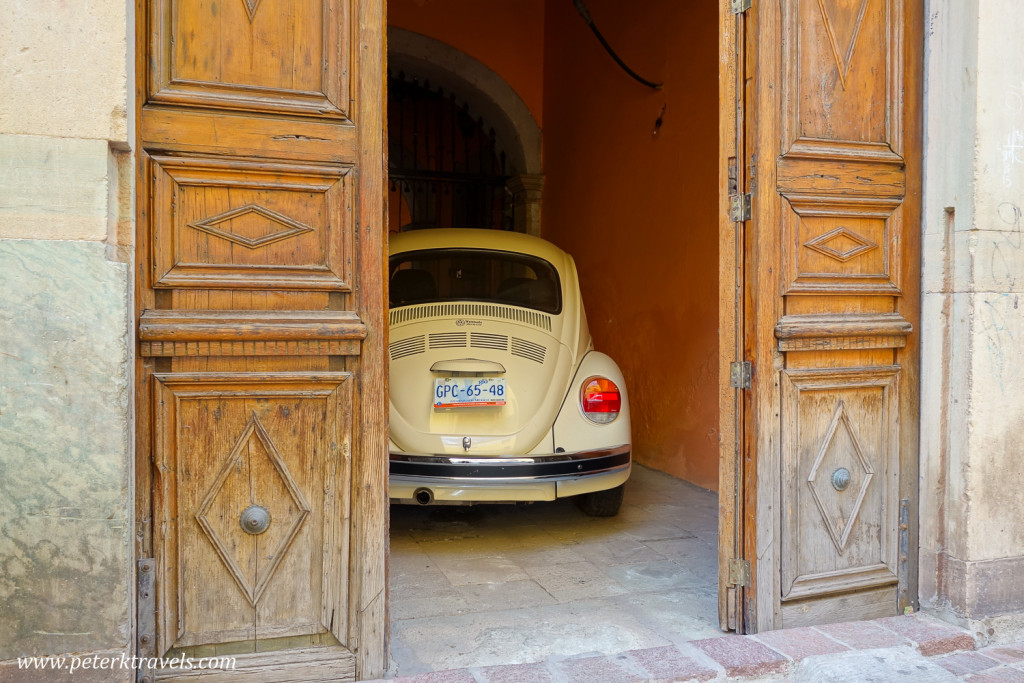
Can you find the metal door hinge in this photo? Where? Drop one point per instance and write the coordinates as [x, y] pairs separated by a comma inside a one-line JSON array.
[[739, 208], [741, 6], [739, 572], [739, 374]]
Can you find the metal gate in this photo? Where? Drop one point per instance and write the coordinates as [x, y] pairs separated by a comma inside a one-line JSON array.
[[445, 169]]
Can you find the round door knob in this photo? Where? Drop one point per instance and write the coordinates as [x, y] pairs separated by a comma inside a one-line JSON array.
[[255, 519], [841, 479]]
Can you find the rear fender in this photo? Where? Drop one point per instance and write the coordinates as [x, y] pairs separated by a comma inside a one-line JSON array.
[[572, 430]]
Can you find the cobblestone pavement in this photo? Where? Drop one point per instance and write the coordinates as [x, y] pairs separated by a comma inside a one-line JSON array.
[[915, 648]]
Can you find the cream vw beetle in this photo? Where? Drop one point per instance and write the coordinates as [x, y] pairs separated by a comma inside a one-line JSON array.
[[497, 393]]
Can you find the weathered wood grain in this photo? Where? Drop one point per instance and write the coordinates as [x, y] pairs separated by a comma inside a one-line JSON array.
[[731, 177], [832, 263], [261, 332]]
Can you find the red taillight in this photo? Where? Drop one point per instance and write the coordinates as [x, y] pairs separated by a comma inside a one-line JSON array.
[[600, 400]]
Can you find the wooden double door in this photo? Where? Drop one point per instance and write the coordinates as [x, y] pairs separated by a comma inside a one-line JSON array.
[[262, 447], [262, 428], [820, 266]]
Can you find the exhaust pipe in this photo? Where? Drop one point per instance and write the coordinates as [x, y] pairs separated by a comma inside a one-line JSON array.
[[423, 496]]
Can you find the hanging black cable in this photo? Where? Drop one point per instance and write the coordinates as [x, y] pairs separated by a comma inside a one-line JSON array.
[[585, 13]]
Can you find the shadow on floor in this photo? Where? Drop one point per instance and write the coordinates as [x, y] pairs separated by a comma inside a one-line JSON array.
[[500, 584]]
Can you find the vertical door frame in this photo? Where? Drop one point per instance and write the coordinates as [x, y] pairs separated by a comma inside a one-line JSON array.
[[368, 597], [731, 183], [762, 447]]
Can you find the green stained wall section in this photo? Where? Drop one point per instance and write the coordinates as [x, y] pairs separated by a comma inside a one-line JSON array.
[[64, 434]]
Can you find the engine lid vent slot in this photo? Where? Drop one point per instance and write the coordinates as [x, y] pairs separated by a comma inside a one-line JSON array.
[[528, 350], [448, 340], [482, 340], [407, 347]]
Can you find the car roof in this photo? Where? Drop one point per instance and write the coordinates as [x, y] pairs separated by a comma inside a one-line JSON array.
[[469, 238]]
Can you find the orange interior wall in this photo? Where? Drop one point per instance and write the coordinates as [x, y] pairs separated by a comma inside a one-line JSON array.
[[506, 35], [638, 210]]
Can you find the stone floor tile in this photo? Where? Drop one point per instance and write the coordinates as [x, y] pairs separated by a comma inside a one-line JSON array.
[[742, 656], [490, 597], [671, 664], [453, 676], [486, 545], [575, 581], [583, 531], [617, 551], [863, 635], [463, 571], [963, 663], [442, 605], [1009, 654], [591, 669], [654, 576], [545, 557], [422, 584], [1004, 674], [680, 615], [931, 636], [870, 666], [696, 554], [410, 560], [516, 673], [800, 643], [654, 531]]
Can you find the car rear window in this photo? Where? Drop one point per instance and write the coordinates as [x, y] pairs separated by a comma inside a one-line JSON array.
[[500, 277]]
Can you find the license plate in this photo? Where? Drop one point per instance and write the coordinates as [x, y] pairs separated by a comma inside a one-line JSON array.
[[458, 392]]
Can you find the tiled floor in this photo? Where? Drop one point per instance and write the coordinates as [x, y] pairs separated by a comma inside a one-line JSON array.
[[501, 584]]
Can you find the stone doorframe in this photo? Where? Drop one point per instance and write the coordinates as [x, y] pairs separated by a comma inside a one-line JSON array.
[[490, 96]]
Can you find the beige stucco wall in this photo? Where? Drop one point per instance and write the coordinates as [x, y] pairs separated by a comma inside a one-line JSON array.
[[972, 394], [65, 366], [63, 68], [64, 72]]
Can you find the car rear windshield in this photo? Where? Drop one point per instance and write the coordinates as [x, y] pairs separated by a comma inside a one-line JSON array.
[[500, 277]]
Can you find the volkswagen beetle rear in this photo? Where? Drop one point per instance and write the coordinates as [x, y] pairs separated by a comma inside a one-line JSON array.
[[497, 394]]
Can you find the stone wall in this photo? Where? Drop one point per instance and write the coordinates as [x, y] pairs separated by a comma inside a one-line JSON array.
[[65, 367], [972, 394]]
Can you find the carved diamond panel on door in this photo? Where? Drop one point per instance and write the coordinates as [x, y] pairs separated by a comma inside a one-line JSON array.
[[279, 444], [840, 449], [841, 245], [243, 225], [248, 54]]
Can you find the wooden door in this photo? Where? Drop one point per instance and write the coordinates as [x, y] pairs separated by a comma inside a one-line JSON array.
[[261, 478], [830, 136]]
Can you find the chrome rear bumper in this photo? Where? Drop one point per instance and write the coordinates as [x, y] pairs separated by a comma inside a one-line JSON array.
[[496, 469]]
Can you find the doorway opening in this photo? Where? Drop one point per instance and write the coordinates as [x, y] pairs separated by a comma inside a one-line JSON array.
[[625, 179]]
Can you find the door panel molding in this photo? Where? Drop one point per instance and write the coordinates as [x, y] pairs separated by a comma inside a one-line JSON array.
[[203, 470], [250, 225], [833, 539], [196, 65]]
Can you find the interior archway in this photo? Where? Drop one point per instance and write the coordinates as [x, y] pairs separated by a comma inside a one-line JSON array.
[[488, 96]]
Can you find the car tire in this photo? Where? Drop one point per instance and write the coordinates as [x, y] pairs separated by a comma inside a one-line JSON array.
[[602, 503]]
